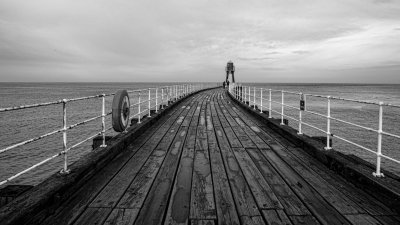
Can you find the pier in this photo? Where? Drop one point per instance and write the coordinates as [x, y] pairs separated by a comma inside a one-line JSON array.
[[210, 158]]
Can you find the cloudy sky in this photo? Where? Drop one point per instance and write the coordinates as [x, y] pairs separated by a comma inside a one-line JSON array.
[[181, 40]]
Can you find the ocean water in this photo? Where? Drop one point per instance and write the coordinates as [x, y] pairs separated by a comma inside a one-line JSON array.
[[17, 126]]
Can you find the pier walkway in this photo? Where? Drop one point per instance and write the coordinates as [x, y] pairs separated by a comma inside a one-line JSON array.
[[208, 161]]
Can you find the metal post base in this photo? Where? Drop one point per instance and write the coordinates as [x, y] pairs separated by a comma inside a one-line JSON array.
[[65, 172], [378, 174]]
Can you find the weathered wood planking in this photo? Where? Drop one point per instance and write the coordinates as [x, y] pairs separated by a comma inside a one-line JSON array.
[[94, 216], [210, 162], [291, 203], [202, 196], [70, 210], [179, 205], [276, 217], [111, 194], [122, 217], [202, 222], [245, 203], [155, 203], [225, 205]]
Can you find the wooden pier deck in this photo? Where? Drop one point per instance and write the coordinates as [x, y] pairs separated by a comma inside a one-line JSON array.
[[208, 161]]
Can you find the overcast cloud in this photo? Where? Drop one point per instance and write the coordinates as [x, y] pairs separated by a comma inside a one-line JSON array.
[[180, 40]]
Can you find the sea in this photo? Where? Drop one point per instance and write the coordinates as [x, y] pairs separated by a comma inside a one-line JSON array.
[[20, 125]]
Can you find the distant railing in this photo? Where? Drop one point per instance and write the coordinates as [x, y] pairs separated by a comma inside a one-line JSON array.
[[248, 94], [163, 96]]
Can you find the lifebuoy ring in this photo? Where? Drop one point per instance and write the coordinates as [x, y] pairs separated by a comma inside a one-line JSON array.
[[120, 110]]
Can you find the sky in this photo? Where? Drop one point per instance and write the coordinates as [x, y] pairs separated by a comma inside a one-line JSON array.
[[288, 41]]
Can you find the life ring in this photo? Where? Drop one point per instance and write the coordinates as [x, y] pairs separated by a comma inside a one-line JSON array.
[[120, 111]]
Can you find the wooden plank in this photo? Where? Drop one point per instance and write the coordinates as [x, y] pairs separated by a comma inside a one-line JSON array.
[[201, 138], [367, 202], [252, 220], [202, 196], [323, 211], [225, 205], [301, 220], [388, 220], [362, 219], [233, 141], [111, 194], [76, 204], [137, 191], [263, 194], [155, 203], [202, 222], [245, 203], [122, 217], [343, 204], [178, 209], [290, 202], [93, 216], [246, 130], [191, 138], [275, 217]]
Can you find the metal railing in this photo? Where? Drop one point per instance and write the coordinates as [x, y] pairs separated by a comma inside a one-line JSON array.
[[154, 97], [248, 95]]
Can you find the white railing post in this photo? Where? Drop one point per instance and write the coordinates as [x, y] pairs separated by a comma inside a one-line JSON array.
[[157, 99], [176, 92], [283, 102], [261, 100], [379, 150], [149, 103], [300, 116], [245, 94], [103, 120], [328, 125], [270, 104], [162, 98], [139, 107], [249, 95], [65, 169], [254, 97]]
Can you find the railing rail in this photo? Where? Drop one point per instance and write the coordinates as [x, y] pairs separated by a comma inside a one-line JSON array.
[[168, 94], [242, 93]]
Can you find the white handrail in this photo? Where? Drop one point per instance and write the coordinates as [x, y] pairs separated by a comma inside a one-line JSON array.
[[243, 92], [180, 90]]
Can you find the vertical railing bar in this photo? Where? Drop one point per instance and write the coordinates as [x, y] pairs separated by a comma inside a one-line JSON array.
[[157, 99], [254, 97], [65, 169], [139, 113], [328, 124], [261, 100], [162, 98], [379, 150], [270, 104], [283, 102], [103, 120], [300, 117], [149, 103]]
